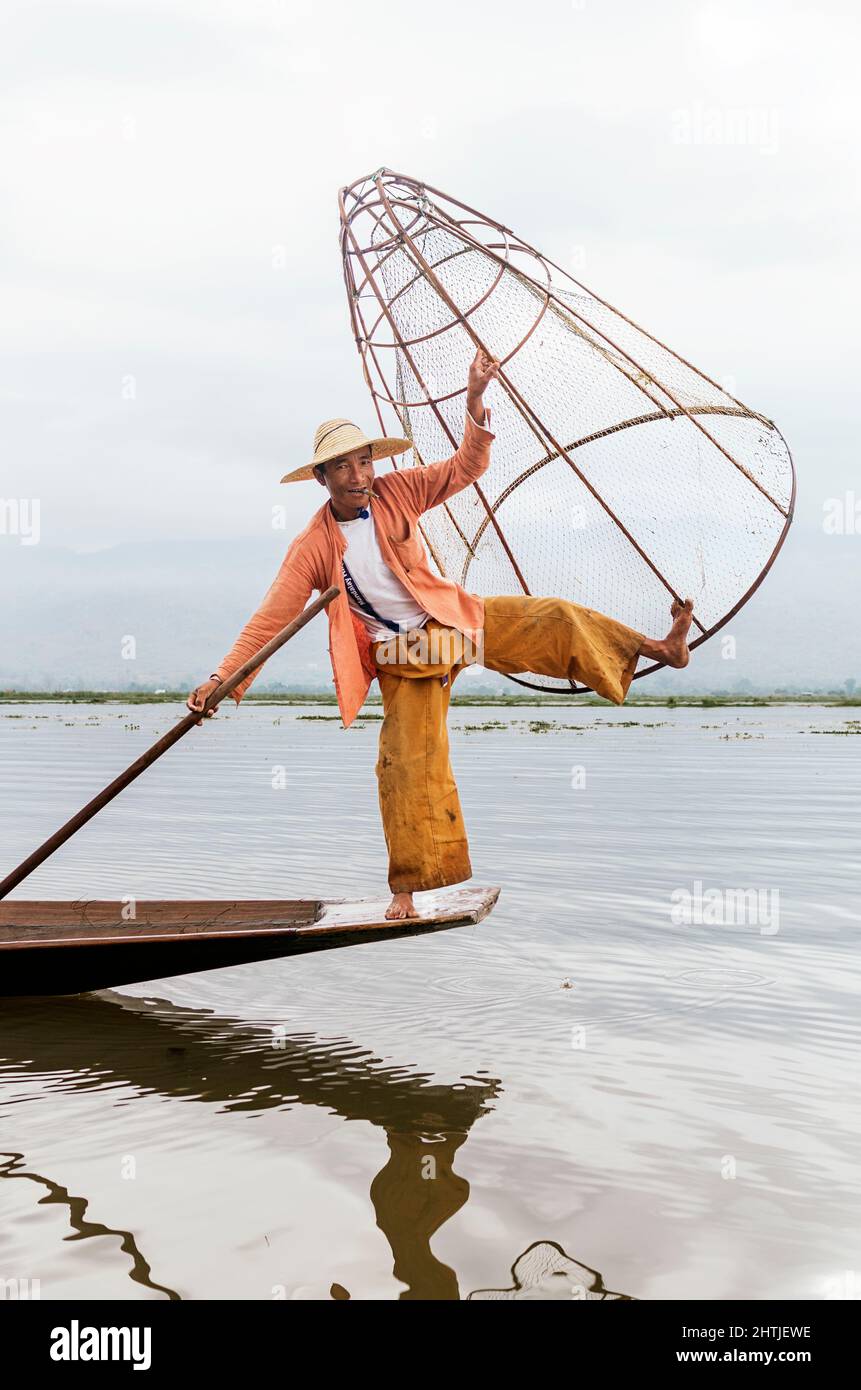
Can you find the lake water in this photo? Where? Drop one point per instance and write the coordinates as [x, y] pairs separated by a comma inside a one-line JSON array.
[[613, 1086]]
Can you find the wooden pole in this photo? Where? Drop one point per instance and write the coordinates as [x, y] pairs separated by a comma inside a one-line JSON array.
[[167, 741]]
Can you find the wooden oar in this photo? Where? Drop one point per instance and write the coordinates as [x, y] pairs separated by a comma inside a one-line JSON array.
[[167, 741]]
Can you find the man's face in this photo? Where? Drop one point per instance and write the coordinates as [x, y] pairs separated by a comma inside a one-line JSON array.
[[349, 480]]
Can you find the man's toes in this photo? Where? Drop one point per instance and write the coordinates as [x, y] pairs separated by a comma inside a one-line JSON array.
[[401, 907]]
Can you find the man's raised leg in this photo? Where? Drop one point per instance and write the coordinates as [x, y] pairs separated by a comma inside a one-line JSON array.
[[553, 637]]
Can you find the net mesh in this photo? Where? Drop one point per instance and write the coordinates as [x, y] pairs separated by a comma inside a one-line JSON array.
[[621, 476]]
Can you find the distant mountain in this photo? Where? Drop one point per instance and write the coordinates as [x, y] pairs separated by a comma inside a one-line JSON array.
[[64, 617]]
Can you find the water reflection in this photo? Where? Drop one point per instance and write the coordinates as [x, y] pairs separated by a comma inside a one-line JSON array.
[[545, 1271], [93, 1042], [13, 1167]]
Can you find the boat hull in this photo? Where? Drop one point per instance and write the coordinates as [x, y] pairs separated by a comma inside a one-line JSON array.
[[49, 948]]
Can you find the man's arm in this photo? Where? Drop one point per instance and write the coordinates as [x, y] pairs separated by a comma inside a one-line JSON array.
[[427, 487], [284, 600], [475, 389]]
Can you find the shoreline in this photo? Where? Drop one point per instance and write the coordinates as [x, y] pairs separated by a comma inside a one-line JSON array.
[[834, 698]]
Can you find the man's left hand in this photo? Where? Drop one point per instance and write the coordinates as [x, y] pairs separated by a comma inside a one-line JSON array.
[[483, 369]]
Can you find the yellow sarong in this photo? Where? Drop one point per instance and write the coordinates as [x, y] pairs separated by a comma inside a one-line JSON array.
[[419, 801]]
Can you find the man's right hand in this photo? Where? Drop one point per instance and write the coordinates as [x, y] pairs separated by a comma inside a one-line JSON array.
[[198, 697]]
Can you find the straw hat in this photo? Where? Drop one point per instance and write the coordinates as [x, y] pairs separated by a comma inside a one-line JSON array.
[[337, 437]]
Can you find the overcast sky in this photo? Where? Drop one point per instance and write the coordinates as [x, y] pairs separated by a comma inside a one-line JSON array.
[[174, 323]]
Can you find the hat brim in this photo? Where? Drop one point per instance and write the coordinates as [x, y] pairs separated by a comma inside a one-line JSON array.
[[380, 449]]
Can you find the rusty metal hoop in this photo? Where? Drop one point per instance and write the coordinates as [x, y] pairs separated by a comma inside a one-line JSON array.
[[444, 279]]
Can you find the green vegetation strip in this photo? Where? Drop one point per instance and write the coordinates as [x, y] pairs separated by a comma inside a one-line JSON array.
[[836, 698]]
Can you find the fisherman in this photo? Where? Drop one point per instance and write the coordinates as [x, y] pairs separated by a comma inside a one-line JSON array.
[[399, 622]]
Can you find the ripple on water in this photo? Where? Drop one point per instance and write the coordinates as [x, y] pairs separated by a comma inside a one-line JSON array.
[[723, 977]]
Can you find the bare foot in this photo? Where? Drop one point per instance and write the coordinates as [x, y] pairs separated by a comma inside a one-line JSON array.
[[672, 650], [402, 905]]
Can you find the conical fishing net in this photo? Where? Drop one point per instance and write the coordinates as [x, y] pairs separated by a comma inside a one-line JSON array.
[[621, 476]]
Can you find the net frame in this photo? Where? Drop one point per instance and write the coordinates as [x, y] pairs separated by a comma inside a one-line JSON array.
[[386, 220]]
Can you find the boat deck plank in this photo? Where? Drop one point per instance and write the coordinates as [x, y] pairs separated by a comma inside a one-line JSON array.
[[52, 946], [100, 919]]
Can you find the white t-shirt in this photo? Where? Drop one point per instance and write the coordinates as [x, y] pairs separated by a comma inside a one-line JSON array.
[[383, 590]]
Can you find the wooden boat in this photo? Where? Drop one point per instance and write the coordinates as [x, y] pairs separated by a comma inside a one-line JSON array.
[[72, 947], [56, 947]]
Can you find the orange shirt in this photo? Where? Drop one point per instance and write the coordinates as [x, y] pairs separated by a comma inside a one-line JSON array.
[[313, 562]]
